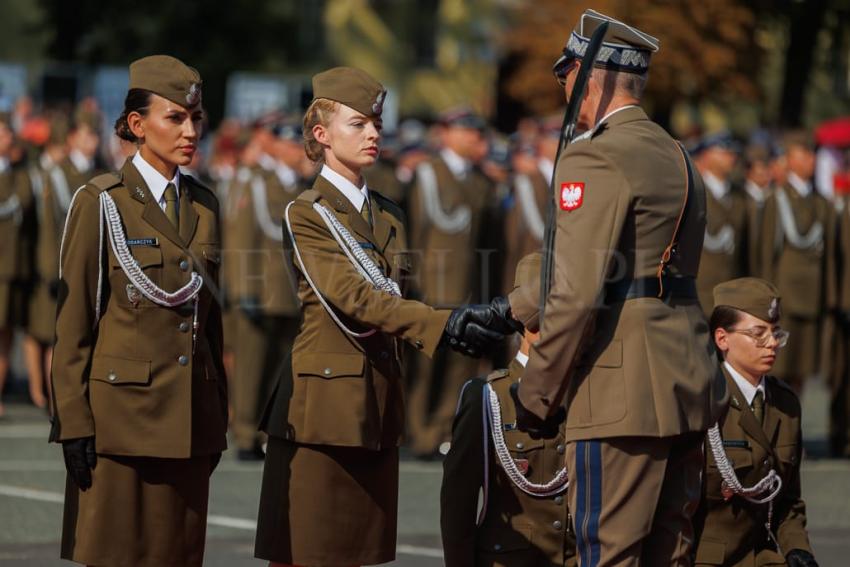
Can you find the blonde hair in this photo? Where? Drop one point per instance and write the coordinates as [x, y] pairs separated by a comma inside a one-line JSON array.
[[321, 111]]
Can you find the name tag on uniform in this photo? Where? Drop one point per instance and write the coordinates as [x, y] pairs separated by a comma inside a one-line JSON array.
[[142, 242], [742, 444]]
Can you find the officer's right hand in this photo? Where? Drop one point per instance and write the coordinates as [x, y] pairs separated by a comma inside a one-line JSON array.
[[80, 459], [800, 558], [466, 330], [528, 422]]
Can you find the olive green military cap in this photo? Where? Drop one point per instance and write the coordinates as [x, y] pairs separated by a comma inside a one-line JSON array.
[[59, 128], [756, 296], [352, 87], [624, 48], [525, 297], [167, 77], [87, 118]]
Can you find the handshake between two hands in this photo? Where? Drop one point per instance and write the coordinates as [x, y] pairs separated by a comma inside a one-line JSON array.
[[478, 329]]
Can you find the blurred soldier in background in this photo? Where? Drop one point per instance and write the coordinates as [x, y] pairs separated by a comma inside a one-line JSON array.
[[838, 305], [263, 290], [446, 208], [792, 256], [758, 187], [15, 259], [68, 161], [724, 252]]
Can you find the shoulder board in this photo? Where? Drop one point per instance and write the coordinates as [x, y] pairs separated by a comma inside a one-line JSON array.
[[781, 384], [194, 182], [309, 196], [105, 181], [388, 205], [498, 375]]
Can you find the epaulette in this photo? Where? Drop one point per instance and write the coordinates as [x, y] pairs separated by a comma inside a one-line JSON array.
[[389, 205], [310, 196], [782, 384], [106, 181], [498, 375]]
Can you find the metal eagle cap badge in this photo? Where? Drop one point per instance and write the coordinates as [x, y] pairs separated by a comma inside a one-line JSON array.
[[572, 195]]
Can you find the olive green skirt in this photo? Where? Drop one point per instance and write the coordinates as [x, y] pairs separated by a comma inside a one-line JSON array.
[[327, 506], [139, 511]]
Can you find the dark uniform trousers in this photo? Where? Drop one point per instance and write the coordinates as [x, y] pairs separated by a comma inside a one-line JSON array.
[[517, 530], [732, 532], [447, 276], [261, 279]]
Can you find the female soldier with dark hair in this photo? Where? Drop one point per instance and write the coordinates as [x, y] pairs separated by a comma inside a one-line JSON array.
[[140, 401], [751, 512], [330, 484]]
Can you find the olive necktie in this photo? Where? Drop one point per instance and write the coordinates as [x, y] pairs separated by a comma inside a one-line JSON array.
[[366, 212], [758, 406], [171, 205]]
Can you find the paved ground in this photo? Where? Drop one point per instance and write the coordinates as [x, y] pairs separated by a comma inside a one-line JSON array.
[[32, 480]]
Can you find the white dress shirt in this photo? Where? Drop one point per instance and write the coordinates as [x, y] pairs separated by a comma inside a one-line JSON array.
[[457, 165], [286, 175], [719, 188], [755, 191], [267, 162], [804, 188], [522, 358], [156, 181], [81, 162], [744, 385], [357, 195]]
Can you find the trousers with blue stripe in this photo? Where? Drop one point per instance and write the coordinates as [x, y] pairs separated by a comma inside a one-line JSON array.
[[633, 499]]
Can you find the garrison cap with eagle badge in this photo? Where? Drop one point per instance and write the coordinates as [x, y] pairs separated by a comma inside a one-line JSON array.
[[352, 87], [624, 48], [756, 296], [167, 77]]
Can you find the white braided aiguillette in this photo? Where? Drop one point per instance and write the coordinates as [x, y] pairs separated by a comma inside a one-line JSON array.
[[134, 272], [551, 488]]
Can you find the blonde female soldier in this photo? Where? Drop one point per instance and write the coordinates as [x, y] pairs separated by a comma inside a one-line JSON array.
[[330, 484], [140, 401]]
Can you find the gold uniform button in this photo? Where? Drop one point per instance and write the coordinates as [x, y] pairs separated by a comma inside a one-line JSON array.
[[112, 377], [559, 500], [183, 326], [557, 524], [560, 449], [183, 360], [326, 372], [184, 265], [520, 445]]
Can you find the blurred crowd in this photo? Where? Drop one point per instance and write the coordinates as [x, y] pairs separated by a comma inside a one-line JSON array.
[[475, 201]]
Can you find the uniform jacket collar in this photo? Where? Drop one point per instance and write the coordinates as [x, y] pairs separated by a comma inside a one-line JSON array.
[[352, 219], [619, 117], [153, 213], [746, 419]]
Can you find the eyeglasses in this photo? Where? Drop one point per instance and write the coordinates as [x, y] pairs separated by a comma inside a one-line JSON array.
[[762, 335]]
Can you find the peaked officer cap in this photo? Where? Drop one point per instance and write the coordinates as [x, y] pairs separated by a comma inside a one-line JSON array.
[[624, 48], [462, 117], [756, 296], [352, 87], [167, 77], [525, 297]]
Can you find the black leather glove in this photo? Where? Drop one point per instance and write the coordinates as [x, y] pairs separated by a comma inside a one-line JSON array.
[[80, 459], [502, 309], [467, 330], [528, 422], [800, 558]]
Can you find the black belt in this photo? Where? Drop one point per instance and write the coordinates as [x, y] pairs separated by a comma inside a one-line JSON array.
[[679, 288]]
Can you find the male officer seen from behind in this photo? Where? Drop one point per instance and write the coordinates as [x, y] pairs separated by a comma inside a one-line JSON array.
[[524, 520], [758, 441], [623, 339]]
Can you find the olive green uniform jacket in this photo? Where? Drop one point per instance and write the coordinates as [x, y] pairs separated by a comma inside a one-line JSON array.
[[16, 243], [517, 530], [724, 254], [133, 378], [642, 367], [347, 391], [732, 532]]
